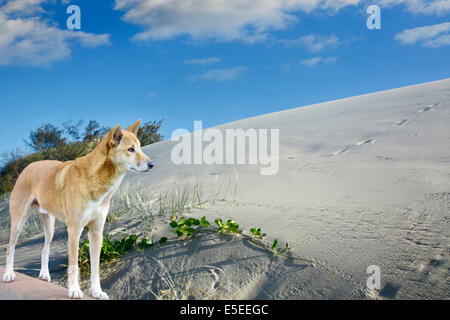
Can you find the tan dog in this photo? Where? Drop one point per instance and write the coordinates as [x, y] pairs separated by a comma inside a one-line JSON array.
[[78, 193]]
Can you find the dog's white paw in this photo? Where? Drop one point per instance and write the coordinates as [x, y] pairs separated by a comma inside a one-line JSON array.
[[44, 275], [9, 276], [75, 294], [99, 294]]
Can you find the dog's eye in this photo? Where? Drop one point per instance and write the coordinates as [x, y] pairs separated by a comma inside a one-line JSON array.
[[131, 149]]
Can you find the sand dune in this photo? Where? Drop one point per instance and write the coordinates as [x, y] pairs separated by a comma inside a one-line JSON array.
[[362, 181]]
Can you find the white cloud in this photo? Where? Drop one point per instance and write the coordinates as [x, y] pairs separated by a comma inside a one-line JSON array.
[[314, 43], [316, 60], [434, 36], [243, 20], [438, 42], [428, 7], [33, 41], [203, 61], [23, 7], [311, 62], [220, 75], [221, 20]]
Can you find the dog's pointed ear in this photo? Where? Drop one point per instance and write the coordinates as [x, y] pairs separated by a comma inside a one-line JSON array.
[[134, 127], [116, 135]]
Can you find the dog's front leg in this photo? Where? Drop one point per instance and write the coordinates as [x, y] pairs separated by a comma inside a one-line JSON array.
[[74, 239], [95, 246]]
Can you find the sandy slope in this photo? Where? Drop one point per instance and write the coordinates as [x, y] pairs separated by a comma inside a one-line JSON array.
[[362, 181]]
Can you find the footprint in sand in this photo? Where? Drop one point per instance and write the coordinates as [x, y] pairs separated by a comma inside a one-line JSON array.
[[426, 109], [430, 107], [370, 141], [352, 146], [434, 270], [401, 122]]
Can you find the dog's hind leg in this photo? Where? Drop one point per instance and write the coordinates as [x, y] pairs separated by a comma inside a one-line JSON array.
[[19, 209], [48, 221]]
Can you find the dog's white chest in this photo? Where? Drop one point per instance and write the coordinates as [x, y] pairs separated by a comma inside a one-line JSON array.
[[96, 210], [99, 209]]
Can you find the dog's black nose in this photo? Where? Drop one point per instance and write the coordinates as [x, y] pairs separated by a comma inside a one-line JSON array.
[[150, 164]]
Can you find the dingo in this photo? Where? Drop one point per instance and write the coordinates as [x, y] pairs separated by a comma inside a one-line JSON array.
[[78, 193]]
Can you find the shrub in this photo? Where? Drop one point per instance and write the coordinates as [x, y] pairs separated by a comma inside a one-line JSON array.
[[45, 137], [148, 133]]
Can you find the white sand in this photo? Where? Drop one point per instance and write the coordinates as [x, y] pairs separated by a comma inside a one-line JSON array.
[[362, 181]]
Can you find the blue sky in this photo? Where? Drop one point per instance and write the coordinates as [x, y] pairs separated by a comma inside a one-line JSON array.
[[209, 60]]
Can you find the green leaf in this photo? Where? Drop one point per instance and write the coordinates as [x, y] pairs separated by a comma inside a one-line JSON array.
[[132, 239], [145, 243], [205, 223], [162, 240], [174, 224], [275, 245], [256, 232], [192, 221], [219, 222], [232, 226]]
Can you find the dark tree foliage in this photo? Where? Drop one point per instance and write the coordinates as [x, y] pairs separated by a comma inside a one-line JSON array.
[[70, 151], [11, 171], [94, 131], [148, 133], [45, 137]]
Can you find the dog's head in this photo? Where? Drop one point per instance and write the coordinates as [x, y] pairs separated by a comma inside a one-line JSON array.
[[125, 148]]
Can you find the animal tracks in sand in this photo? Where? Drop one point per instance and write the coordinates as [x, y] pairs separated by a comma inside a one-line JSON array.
[[401, 122], [430, 107], [427, 108], [349, 147]]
